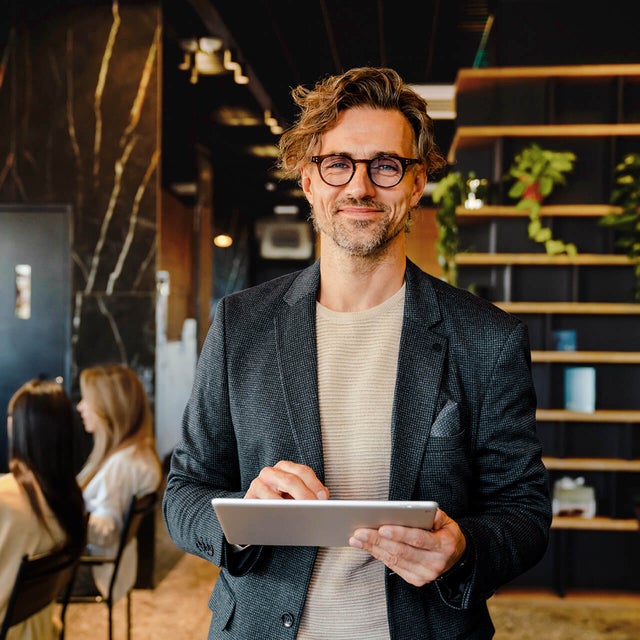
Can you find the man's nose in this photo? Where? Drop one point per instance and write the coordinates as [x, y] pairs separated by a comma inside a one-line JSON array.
[[361, 184]]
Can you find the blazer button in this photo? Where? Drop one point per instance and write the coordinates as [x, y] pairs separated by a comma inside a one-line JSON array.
[[287, 620]]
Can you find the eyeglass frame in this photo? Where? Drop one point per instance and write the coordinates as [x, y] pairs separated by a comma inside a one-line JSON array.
[[405, 162]]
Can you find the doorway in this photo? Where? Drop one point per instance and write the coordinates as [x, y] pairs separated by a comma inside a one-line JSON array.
[[35, 300]]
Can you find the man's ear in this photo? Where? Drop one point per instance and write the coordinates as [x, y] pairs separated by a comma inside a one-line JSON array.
[[305, 182], [419, 183]]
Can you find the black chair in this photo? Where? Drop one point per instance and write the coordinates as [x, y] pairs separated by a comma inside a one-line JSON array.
[[40, 581], [139, 508]]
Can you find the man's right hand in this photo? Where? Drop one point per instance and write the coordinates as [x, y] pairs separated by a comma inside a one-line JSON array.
[[287, 480]]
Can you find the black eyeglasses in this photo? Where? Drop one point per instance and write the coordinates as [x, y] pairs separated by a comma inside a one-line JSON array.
[[384, 171]]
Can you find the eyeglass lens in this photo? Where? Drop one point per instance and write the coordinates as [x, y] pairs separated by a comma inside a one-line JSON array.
[[384, 171]]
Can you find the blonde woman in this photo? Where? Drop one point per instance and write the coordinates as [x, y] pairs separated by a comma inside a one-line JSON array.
[[123, 462], [41, 505]]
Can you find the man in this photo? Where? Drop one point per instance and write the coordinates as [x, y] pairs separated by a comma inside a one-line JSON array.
[[363, 377]]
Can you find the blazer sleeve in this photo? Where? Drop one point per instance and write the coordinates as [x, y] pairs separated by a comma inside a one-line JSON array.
[[204, 463], [511, 515]]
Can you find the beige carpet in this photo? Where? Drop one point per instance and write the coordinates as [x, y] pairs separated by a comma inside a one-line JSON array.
[[177, 610]]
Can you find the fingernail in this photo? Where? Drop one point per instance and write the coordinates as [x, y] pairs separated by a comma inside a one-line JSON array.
[[354, 542]]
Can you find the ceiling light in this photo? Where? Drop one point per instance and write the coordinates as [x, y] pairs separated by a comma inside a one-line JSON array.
[[272, 123], [235, 117], [209, 45], [200, 57], [208, 64], [263, 150], [231, 65], [223, 241]]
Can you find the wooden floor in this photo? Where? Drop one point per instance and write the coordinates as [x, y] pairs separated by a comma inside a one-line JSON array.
[[177, 610]]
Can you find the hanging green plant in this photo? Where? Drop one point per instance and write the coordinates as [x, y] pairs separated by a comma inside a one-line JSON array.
[[536, 172], [626, 194], [449, 193]]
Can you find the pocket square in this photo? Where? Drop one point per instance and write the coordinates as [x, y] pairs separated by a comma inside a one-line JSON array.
[[447, 422]]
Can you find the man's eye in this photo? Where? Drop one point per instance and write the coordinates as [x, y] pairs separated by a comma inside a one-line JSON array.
[[386, 165], [337, 163]]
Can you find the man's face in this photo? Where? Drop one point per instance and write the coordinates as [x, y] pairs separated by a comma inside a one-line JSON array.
[[361, 217]]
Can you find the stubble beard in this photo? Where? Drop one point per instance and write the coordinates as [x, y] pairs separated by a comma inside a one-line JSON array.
[[360, 238]]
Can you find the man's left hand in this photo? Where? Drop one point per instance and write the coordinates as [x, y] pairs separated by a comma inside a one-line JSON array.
[[416, 555]]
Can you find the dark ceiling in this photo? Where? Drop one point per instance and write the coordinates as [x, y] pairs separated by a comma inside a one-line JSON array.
[[283, 43]]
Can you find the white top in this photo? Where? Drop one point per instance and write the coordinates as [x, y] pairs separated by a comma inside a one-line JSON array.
[[357, 364], [126, 473], [20, 533]]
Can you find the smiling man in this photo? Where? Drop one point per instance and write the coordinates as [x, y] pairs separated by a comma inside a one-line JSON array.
[[362, 377]]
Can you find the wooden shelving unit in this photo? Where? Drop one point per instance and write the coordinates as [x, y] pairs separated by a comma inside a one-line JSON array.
[[600, 415], [580, 357], [601, 260], [608, 330], [597, 523], [571, 308], [489, 212], [470, 137], [474, 79]]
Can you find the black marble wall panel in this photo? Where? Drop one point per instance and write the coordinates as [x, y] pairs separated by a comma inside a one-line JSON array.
[[79, 125]]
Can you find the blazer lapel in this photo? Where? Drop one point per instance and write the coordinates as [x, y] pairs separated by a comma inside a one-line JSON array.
[[420, 369], [295, 332]]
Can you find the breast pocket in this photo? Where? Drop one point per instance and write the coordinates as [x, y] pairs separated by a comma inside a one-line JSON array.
[[445, 475]]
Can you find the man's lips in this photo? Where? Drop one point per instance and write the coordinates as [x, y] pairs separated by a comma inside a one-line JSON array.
[[360, 211]]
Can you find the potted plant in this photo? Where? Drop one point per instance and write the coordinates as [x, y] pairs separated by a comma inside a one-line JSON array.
[[626, 194], [536, 172]]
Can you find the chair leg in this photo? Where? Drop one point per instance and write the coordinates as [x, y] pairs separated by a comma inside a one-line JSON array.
[[110, 606], [129, 615]]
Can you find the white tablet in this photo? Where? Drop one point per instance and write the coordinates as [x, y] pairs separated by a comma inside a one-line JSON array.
[[314, 523]]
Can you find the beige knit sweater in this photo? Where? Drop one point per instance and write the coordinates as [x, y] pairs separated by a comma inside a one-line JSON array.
[[357, 363]]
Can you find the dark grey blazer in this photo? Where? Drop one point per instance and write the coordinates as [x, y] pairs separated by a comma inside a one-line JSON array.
[[463, 434]]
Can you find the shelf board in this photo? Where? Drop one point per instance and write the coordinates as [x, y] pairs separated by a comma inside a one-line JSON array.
[[582, 259], [577, 308], [570, 598], [601, 415], [606, 357], [558, 210], [597, 523], [470, 137], [472, 79], [592, 464]]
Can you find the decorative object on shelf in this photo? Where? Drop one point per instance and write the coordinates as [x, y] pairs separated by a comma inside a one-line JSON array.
[[564, 340], [626, 194], [580, 389], [477, 189], [572, 498], [536, 172], [454, 190]]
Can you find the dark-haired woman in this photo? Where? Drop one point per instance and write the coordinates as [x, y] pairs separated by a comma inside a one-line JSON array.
[[41, 504]]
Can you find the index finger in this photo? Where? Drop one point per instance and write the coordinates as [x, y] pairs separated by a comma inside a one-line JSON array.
[[298, 480]]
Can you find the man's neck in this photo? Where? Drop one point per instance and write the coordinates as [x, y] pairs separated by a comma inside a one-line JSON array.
[[352, 283]]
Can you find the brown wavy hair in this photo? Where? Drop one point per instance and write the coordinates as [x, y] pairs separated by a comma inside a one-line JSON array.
[[378, 88], [41, 455], [118, 397]]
